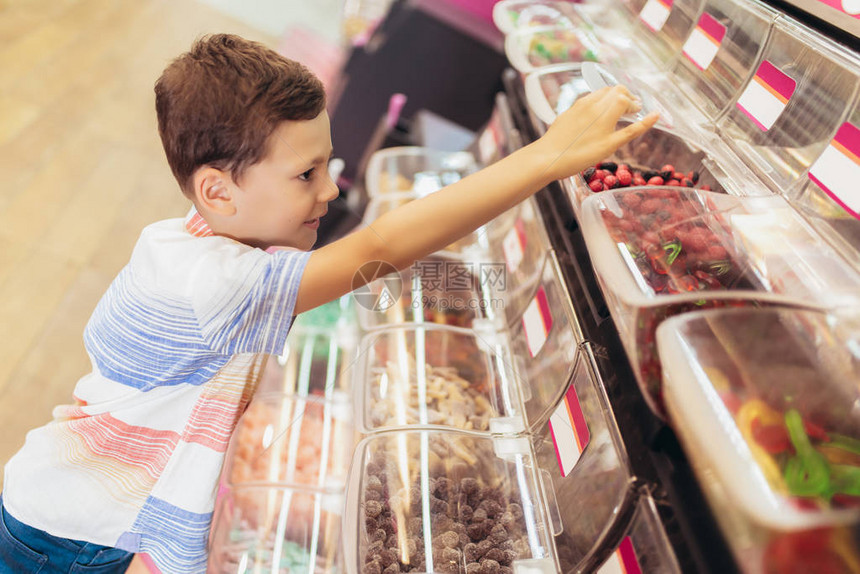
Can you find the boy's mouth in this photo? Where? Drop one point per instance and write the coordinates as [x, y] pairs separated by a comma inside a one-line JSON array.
[[312, 223]]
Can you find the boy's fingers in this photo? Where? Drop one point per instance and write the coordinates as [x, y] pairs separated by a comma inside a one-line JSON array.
[[636, 129]]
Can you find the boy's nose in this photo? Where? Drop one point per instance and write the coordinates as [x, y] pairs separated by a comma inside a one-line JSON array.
[[330, 191]]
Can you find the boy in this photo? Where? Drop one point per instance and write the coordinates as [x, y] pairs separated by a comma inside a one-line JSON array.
[[179, 339]]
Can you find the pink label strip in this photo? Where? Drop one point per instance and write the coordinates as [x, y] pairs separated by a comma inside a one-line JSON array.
[[627, 554], [712, 28], [545, 313], [774, 78], [580, 427]]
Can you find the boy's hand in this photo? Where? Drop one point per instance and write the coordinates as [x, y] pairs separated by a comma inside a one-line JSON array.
[[585, 134]]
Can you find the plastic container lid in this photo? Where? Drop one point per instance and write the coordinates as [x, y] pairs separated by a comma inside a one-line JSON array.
[[721, 52], [417, 170], [435, 290], [553, 89], [273, 529], [544, 335], [829, 199], [586, 469], [534, 47], [293, 441], [515, 263], [312, 362], [787, 113], [435, 376], [432, 501], [511, 15], [764, 401], [666, 251], [645, 548]]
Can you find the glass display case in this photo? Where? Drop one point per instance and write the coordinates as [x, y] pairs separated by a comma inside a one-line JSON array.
[[586, 469], [721, 53], [434, 501], [671, 250], [292, 440], [435, 376], [537, 46], [788, 111], [417, 170], [764, 402], [276, 530]]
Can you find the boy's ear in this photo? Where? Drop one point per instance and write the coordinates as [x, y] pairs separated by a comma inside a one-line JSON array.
[[213, 191]]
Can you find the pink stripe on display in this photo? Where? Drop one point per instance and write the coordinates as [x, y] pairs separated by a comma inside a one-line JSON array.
[[849, 137], [557, 450], [666, 3], [838, 6], [775, 79], [543, 306], [760, 125], [521, 231], [574, 410], [627, 554], [712, 28], [833, 196]]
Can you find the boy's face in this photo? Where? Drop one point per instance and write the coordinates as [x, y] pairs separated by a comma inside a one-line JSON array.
[[280, 199]]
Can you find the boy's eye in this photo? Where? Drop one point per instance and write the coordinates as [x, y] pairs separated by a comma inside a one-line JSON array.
[[306, 176]]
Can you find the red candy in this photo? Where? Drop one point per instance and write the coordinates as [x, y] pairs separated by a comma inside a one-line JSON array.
[[610, 181], [596, 185], [625, 178], [656, 180]]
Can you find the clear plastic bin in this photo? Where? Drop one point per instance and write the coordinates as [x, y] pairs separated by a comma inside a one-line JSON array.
[[417, 170], [544, 335], [431, 501], [511, 15], [721, 53], [435, 376], [276, 530], [671, 250], [313, 362], [830, 198], [517, 260], [645, 547], [764, 402], [586, 467], [660, 157], [538, 46], [292, 440], [436, 290], [787, 113]]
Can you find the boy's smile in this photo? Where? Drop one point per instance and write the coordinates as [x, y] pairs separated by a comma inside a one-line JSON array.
[[279, 200]]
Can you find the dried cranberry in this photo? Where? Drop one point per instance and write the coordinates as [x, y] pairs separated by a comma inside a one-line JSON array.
[[596, 185], [625, 178], [656, 180], [611, 182]]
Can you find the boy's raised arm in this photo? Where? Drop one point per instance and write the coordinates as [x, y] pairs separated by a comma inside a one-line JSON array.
[[580, 137]]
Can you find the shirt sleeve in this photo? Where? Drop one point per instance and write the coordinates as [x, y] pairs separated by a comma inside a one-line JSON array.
[[245, 299]]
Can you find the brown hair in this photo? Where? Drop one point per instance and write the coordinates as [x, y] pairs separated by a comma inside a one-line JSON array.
[[218, 104]]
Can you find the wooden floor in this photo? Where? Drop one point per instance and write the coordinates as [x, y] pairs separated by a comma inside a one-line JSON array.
[[82, 173]]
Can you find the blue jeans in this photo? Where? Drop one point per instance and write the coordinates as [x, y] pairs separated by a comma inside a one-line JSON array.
[[28, 550]]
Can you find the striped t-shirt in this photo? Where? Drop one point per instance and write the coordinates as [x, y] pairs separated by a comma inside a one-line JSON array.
[[177, 345]]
